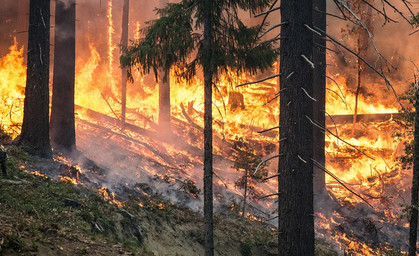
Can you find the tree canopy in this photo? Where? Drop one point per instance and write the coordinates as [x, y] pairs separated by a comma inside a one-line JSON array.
[[176, 39]]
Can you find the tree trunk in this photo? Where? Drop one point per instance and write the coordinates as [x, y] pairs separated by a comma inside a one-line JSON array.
[[245, 193], [164, 100], [208, 171], [34, 137], [319, 93], [124, 45], [164, 93], [415, 184], [63, 134], [295, 182]]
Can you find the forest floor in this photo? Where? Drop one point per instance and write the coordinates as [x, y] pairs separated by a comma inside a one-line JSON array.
[[40, 215]]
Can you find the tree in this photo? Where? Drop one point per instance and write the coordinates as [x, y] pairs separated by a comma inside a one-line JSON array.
[[247, 159], [124, 45], [63, 134], [164, 94], [415, 183], [34, 136], [319, 93], [225, 44], [295, 180]]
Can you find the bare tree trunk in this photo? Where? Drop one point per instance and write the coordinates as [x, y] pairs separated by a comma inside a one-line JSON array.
[[34, 137], [363, 45], [319, 93], [63, 131], [164, 94], [295, 182], [415, 184], [245, 193], [208, 169], [164, 100], [124, 45]]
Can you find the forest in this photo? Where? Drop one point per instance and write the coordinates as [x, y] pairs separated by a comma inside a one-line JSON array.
[[209, 127]]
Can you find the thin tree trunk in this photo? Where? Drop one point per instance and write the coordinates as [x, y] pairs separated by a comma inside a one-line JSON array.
[[295, 182], [34, 137], [208, 171], [245, 193], [319, 93], [164, 94], [63, 134], [124, 45], [164, 100], [358, 88], [415, 184]]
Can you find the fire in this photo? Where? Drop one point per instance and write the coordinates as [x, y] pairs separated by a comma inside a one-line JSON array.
[[341, 101], [109, 196], [238, 113], [12, 90]]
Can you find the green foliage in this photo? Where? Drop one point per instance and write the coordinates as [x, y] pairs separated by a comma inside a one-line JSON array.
[[246, 159], [173, 38], [189, 186], [407, 122], [415, 20]]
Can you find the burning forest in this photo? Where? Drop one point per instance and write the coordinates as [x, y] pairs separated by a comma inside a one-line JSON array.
[[202, 110]]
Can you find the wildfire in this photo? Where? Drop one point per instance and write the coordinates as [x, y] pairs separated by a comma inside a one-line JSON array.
[[12, 90], [238, 113]]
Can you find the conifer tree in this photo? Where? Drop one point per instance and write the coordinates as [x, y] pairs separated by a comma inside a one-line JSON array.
[[35, 127], [295, 180], [63, 131], [222, 42]]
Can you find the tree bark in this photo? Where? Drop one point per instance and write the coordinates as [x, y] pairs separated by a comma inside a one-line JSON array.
[[415, 184], [34, 137], [124, 45], [295, 182], [208, 168], [164, 94], [164, 100], [319, 93], [63, 134]]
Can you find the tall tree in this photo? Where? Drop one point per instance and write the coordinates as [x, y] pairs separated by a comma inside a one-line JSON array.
[[164, 93], [226, 44], [295, 180], [34, 137], [415, 183], [63, 134], [124, 45], [319, 93]]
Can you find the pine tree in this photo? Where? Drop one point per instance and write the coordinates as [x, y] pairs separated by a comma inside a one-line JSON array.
[[415, 183], [225, 44], [124, 45], [319, 93], [34, 137], [295, 180], [63, 133]]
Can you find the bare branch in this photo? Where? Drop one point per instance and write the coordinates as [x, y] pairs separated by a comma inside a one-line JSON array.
[[339, 181], [330, 14], [270, 195], [270, 129], [336, 136], [273, 27], [268, 11], [380, 12], [388, 84], [308, 61], [270, 177], [266, 160], [258, 81]]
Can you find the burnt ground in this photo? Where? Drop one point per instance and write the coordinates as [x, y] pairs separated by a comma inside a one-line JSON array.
[[42, 215]]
